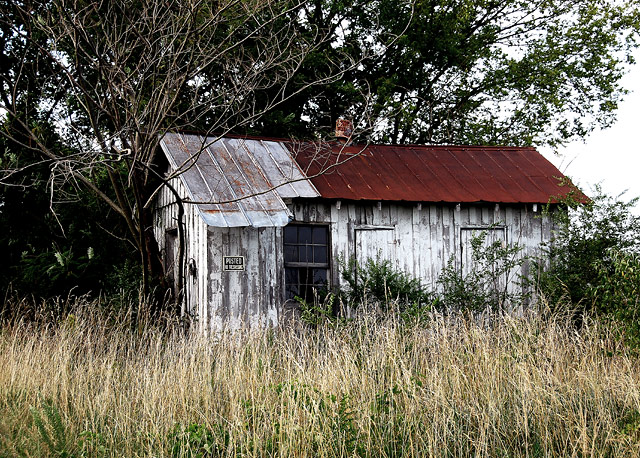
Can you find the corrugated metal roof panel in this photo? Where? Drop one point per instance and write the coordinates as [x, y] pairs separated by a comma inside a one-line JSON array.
[[242, 181], [431, 173]]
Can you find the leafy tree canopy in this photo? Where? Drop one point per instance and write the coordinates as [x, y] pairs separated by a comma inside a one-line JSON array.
[[471, 72]]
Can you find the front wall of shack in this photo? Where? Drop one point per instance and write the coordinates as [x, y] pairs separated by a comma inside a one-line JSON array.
[[419, 239], [251, 297]]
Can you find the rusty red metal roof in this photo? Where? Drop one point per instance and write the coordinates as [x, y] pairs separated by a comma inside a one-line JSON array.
[[414, 173]]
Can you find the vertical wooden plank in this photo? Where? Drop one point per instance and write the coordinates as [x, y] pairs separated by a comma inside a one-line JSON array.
[[250, 278], [277, 281], [487, 215], [268, 276], [427, 258], [469, 216], [226, 307], [405, 244], [449, 216], [437, 245], [417, 243], [342, 238], [368, 214]]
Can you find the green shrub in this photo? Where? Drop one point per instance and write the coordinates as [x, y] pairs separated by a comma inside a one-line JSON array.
[[487, 283], [52, 430], [57, 439], [589, 261], [378, 281], [616, 293]]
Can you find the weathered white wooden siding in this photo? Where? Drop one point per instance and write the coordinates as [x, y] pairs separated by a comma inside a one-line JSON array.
[[195, 245], [252, 298], [419, 239]]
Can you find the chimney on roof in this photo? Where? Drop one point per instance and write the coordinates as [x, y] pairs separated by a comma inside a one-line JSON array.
[[344, 130]]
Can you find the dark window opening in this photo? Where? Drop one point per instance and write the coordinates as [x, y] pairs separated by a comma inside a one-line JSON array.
[[306, 260]]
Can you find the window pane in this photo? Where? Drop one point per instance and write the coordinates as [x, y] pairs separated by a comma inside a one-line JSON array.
[[320, 235], [303, 254], [290, 253], [320, 254], [291, 276], [319, 277], [304, 234], [291, 234], [305, 275], [306, 244], [291, 291]]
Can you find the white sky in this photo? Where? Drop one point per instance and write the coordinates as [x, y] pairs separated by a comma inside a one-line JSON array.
[[610, 157]]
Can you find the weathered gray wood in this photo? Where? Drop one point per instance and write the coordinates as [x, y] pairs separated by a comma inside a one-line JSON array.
[[420, 240]]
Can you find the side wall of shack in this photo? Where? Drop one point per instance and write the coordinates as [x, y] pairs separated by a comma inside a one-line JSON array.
[[195, 247], [252, 297]]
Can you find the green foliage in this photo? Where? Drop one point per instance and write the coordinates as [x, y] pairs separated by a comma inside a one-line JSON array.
[[487, 283], [490, 281], [52, 432], [51, 248], [617, 291], [346, 433], [590, 247], [323, 310], [198, 441], [378, 281], [464, 71]]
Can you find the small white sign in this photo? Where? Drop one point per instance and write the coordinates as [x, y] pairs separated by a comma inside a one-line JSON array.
[[232, 263]]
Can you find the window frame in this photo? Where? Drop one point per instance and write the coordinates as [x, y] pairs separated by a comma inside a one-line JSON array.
[[300, 266]]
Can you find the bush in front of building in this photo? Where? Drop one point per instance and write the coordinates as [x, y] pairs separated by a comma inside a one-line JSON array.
[[490, 283], [592, 264], [377, 282]]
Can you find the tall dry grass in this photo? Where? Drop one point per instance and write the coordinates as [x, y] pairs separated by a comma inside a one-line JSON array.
[[449, 387]]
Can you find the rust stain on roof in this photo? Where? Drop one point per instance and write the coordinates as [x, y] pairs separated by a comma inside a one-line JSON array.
[[500, 174]]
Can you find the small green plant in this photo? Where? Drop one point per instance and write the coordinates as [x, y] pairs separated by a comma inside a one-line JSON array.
[[198, 441], [378, 281], [52, 431], [321, 311], [92, 444], [346, 432], [489, 281]]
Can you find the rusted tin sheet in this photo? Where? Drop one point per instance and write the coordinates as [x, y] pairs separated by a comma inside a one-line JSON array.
[[431, 173], [239, 182]]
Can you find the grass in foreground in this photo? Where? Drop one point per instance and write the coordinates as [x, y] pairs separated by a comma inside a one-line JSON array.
[[523, 387]]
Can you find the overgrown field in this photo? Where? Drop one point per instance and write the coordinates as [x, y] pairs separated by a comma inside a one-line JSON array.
[[447, 387]]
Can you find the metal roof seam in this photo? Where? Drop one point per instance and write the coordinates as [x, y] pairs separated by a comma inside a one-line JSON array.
[[455, 178], [433, 173], [525, 175], [472, 176], [233, 192], [266, 179], [490, 157], [268, 150], [183, 179], [253, 193]]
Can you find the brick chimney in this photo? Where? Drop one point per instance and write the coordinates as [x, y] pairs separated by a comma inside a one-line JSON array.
[[344, 130]]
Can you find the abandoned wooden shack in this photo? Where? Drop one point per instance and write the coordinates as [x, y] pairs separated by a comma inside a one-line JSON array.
[[264, 220]]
